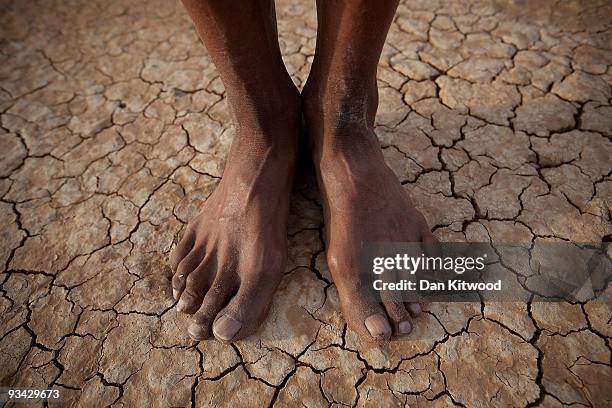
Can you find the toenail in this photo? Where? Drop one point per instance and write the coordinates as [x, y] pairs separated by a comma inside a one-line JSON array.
[[414, 309], [175, 293], [378, 326], [226, 327], [181, 306], [405, 327], [196, 331]]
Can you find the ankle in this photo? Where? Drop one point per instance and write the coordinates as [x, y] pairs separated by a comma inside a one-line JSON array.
[[270, 120], [334, 107], [261, 106], [340, 120]]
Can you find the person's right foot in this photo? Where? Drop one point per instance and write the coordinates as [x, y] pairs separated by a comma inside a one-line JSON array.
[[232, 255], [363, 202]]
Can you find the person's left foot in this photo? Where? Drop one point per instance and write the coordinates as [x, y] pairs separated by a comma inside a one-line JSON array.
[[364, 202]]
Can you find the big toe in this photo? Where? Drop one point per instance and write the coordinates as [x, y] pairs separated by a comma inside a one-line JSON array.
[[245, 312], [366, 317], [378, 326]]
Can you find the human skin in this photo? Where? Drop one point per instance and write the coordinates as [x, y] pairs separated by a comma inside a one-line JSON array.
[[363, 199], [232, 255]]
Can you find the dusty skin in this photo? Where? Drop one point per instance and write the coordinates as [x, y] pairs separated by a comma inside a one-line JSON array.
[[231, 258], [494, 116]]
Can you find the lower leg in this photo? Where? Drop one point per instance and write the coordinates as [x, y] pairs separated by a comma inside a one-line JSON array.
[[363, 199], [341, 87], [242, 42], [232, 254]]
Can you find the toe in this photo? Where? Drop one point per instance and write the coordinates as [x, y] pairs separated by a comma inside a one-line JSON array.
[[399, 316], [195, 287], [430, 244], [414, 309], [183, 248], [378, 326], [187, 265], [227, 327], [215, 299], [245, 312], [364, 316]]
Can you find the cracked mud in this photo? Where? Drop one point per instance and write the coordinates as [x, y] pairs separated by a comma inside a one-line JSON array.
[[496, 116]]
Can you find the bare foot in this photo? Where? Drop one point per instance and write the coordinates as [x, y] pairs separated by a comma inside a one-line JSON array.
[[232, 255], [363, 201]]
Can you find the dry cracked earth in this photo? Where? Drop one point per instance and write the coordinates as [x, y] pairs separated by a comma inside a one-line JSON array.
[[496, 116]]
